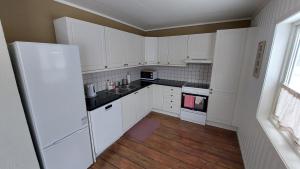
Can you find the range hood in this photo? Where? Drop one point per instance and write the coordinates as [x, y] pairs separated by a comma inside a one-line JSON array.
[[199, 61]]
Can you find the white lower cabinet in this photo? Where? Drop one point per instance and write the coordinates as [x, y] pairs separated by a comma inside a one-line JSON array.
[[158, 97], [167, 99], [106, 125], [129, 110], [134, 108]]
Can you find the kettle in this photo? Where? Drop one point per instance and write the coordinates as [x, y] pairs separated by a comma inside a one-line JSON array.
[[90, 90]]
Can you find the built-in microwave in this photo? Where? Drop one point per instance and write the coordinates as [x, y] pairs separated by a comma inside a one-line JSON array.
[[149, 75]]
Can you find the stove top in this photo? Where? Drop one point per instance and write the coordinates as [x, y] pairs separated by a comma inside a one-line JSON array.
[[197, 85]]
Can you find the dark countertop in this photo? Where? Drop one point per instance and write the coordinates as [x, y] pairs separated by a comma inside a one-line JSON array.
[[104, 97]]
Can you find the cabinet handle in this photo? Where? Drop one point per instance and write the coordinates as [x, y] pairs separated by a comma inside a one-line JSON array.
[[136, 92], [171, 95], [168, 63], [105, 67], [210, 91], [145, 62], [188, 57], [172, 89], [108, 107], [158, 62]]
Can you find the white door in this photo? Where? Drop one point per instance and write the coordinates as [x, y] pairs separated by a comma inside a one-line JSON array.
[[201, 46], [150, 98], [129, 110], [163, 50], [142, 100], [74, 152], [158, 97], [151, 50], [177, 50], [133, 51], [90, 40], [228, 58], [116, 47], [16, 145], [53, 85], [106, 125]]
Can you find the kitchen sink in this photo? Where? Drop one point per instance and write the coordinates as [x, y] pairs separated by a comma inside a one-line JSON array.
[[122, 89]]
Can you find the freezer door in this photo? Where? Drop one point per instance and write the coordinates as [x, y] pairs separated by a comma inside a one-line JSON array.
[[73, 152], [53, 89]]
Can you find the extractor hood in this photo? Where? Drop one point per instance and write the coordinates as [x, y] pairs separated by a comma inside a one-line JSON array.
[[198, 61]]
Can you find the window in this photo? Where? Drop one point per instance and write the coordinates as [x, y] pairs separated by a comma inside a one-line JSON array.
[[287, 112]]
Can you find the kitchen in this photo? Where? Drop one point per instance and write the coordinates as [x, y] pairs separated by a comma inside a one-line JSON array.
[[136, 92]]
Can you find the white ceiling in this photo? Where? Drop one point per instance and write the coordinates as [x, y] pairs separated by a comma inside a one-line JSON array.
[[156, 14]]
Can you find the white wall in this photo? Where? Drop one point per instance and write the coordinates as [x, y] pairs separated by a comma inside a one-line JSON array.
[[16, 148], [257, 150]]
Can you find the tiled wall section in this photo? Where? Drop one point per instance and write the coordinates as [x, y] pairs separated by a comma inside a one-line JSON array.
[[192, 73]]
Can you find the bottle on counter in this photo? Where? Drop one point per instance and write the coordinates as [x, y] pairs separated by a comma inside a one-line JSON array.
[[128, 78]]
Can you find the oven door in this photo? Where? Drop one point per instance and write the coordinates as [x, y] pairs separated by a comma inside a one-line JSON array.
[[194, 102]]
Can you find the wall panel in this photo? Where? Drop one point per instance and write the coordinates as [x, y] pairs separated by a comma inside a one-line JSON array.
[[258, 152]]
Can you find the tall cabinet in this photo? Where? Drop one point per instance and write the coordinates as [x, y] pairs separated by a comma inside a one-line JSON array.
[[226, 71], [88, 36]]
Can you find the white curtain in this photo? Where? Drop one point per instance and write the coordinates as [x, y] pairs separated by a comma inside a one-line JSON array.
[[287, 112]]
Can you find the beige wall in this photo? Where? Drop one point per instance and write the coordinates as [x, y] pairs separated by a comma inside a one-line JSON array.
[[207, 28], [32, 20]]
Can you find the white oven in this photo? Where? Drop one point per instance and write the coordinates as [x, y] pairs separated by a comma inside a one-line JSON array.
[[194, 103]]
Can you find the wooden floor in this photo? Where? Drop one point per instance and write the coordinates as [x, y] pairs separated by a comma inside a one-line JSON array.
[[175, 144]]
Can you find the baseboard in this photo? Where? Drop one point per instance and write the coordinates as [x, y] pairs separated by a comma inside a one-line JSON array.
[[220, 125], [166, 113]]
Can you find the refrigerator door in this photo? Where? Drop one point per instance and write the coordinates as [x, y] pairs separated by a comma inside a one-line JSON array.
[[73, 152], [52, 84]]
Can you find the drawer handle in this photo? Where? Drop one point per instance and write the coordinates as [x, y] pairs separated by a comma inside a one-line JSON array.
[[108, 107]]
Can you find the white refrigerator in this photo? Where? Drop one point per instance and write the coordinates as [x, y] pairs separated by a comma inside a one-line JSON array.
[[51, 87]]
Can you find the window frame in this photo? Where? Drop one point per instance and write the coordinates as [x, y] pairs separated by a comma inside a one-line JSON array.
[[292, 49]]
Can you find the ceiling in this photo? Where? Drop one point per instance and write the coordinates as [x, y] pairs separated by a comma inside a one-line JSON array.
[[157, 14]]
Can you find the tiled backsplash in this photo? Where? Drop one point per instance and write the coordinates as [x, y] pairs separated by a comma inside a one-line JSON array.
[[192, 73]]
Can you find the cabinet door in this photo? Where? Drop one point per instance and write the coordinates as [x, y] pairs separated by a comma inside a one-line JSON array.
[[116, 47], [90, 40], [201, 46], [163, 50], [133, 49], [158, 97], [151, 50], [150, 98], [228, 58], [142, 100], [177, 50], [221, 107], [129, 110]]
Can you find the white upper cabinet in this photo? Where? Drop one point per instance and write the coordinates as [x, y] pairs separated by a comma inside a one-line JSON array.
[[226, 72], [151, 50], [88, 37], [177, 50], [138, 48], [116, 47], [201, 46], [163, 50]]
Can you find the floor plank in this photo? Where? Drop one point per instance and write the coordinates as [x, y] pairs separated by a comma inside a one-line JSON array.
[[175, 144]]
